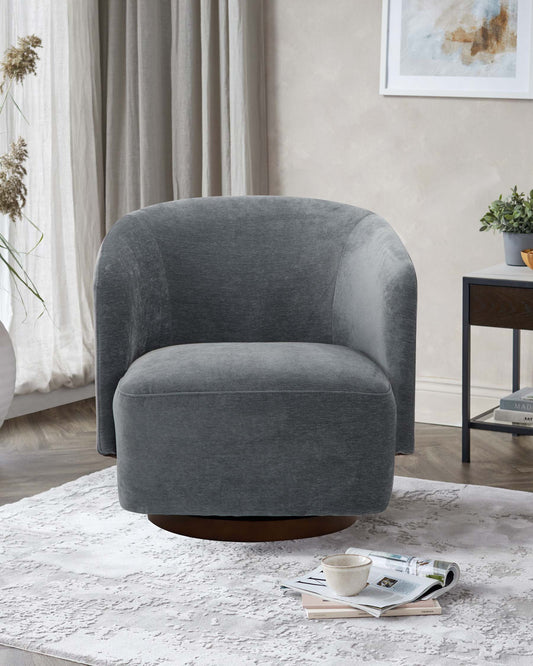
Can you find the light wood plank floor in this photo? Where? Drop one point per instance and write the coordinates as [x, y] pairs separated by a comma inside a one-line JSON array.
[[43, 450]]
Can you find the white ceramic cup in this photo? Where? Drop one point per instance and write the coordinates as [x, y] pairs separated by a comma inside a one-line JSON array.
[[346, 574]]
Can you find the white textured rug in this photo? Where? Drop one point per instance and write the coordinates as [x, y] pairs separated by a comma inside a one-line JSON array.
[[84, 580]]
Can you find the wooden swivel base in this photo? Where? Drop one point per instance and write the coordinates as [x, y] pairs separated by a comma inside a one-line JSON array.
[[251, 528]]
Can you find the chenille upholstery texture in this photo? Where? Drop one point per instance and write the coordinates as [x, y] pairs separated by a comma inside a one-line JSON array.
[[255, 357]]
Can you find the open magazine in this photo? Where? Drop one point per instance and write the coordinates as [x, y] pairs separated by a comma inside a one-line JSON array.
[[393, 580]]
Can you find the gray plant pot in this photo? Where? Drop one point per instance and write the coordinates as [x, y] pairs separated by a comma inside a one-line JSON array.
[[513, 244]]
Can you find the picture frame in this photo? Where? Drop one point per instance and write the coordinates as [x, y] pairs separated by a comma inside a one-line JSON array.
[[453, 48]]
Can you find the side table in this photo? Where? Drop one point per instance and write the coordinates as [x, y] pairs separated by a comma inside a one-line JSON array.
[[500, 296]]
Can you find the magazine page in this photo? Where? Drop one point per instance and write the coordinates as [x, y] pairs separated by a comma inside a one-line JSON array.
[[446, 573], [384, 590]]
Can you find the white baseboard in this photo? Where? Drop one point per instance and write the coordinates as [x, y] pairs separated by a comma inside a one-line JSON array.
[[37, 402], [439, 400]]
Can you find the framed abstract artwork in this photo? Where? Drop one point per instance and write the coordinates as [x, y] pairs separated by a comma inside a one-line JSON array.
[[457, 48]]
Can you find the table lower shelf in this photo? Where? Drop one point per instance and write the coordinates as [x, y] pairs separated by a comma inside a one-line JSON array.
[[486, 421]]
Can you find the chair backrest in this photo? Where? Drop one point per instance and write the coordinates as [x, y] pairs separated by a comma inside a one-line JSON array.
[[240, 269]]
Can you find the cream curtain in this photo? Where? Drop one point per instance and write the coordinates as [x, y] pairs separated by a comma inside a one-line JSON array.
[[135, 102]]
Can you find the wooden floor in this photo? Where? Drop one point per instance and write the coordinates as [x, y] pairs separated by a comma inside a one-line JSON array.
[[43, 450]]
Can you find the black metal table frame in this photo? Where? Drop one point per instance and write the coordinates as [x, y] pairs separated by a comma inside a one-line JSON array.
[[475, 423]]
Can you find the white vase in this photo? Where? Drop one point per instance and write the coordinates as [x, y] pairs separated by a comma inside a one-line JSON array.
[[7, 372]]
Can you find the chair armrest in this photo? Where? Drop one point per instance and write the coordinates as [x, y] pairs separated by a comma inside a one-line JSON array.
[[374, 312], [132, 313]]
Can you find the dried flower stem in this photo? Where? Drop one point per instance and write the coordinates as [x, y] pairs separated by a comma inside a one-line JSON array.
[[5, 96], [12, 188], [17, 63], [15, 267], [21, 60]]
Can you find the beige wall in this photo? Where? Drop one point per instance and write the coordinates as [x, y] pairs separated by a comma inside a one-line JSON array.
[[428, 165]]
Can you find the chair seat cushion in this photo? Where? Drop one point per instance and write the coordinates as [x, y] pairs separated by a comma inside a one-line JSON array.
[[248, 366], [255, 429]]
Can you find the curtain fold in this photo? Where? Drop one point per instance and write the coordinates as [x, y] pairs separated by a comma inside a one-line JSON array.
[[184, 107], [135, 102], [137, 109]]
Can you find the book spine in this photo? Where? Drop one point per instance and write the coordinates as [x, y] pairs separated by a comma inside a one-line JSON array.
[[326, 613], [513, 416], [517, 405]]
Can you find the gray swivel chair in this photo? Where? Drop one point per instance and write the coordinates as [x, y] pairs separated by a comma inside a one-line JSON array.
[[255, 364]]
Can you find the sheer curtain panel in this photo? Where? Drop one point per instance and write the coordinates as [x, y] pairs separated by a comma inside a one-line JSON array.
[[64, 178]]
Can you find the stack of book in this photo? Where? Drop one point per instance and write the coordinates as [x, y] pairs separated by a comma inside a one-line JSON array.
[[516, 407], [324, 609]]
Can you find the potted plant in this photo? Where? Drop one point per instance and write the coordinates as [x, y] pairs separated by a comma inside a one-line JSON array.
[[18, 62], [512, 216]]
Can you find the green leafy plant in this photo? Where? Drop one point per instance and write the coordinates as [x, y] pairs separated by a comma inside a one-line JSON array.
[[18, 62], [512, 215]]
